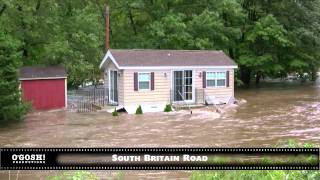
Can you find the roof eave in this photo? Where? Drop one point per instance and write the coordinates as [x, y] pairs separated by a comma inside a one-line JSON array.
[[38, 78], [179, 67]]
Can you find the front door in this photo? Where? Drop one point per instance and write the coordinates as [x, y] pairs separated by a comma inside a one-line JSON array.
[[182, 86], [113, 86]]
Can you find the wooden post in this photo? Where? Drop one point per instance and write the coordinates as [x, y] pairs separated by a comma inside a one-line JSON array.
[[107, 28]]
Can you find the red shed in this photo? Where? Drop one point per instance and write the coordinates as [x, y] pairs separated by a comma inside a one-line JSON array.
[[44, 87]]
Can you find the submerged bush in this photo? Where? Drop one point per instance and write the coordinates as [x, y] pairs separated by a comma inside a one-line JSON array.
[[115, 112], [168, 108], [139, 110], [76, 175]]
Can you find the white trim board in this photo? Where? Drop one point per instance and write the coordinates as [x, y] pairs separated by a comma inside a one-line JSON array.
[[65, 94], [105, 58]]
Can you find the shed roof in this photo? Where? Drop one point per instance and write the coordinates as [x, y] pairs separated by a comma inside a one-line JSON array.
[[160, 58], [37, 72]]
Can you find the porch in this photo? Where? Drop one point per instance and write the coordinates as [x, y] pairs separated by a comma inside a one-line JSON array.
[[200, 99], [182, 98]]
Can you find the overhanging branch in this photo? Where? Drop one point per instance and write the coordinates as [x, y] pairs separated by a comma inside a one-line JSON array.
[[3, 9]]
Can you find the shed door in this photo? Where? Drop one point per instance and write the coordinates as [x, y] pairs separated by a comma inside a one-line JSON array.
[[44, 94]]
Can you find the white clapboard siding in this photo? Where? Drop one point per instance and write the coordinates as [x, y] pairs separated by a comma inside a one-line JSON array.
[[162, 86], [160, 94]]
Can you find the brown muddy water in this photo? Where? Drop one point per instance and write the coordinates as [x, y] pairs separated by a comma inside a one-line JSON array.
[[274, 113]]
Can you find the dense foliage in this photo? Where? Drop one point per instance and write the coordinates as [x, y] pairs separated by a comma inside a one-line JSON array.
[[11, 108], [265, 37], [210, 175], [264, 175], [57, 32]]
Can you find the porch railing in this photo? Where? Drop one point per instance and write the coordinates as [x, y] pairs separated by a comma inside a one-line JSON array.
[[198, 99], [185, 103], [200, 96]]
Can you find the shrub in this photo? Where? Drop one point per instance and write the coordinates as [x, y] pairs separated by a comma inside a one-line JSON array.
[[115, 112], [168, 108], [139, 110]]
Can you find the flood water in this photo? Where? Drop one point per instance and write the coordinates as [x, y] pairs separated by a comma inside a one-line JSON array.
[[273, 113]]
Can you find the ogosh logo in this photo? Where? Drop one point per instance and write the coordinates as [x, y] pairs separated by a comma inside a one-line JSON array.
[[28, 158]]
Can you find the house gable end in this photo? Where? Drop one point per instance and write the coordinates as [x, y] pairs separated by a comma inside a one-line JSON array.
[[108, 57]]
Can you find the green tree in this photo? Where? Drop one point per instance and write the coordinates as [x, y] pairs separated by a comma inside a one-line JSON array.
[[265, 37], [262, 47], [170, 32], [300, 20], [11, 107], [58, 32]]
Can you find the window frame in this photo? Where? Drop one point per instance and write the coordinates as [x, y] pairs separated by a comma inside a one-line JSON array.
[[225, 79], [149, 89], [216, 79]]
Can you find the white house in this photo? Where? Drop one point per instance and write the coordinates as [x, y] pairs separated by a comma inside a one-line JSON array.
[[154, 78]]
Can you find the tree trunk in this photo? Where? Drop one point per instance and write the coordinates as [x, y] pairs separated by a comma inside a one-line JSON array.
[[131, 20], [38, 5], [25, 52], [245, 75], [314, 74], [231, 53], [258, 77], [2, 9]]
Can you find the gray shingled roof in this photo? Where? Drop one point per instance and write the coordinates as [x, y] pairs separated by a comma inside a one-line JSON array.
[[141, 57], [31, 72]]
